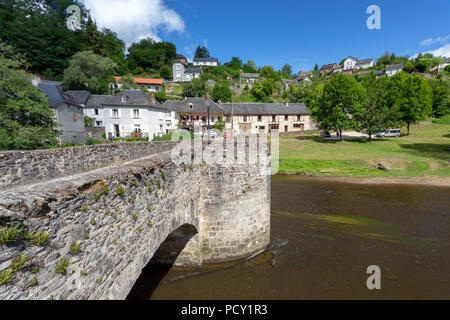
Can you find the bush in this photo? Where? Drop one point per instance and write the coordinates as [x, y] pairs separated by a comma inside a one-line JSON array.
[[10, 234], [62, 265], [91, 141]]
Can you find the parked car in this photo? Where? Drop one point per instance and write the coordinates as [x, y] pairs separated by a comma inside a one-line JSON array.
[[326, 134], [391, 133]]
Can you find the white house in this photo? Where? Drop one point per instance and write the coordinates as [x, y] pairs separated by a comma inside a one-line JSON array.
[[248, 77], [136, 113], [364, 64], [441, 67], [350, 63], [207, 62], [393, 69]]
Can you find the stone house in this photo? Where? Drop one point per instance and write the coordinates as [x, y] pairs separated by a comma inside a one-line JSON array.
[[287, 84], [349, 63], [68, 113], [327, 68], [248, 77], [192, 113], [253, 118], [207, 62], [183, 73]]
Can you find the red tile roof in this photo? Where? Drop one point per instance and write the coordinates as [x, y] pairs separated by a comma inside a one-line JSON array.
[[144, 80]]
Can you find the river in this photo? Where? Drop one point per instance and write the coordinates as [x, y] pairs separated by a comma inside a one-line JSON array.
[[324, 236]]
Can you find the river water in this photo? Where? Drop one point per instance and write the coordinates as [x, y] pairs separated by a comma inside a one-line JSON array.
[[324, 236]]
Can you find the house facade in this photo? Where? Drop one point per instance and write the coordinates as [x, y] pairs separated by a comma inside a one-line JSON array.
[[393, 69], [68, 113], [192, 113], [248, 77], [183, 73], [207, 62], [266, 118], [364, 64], [327, 68], [349, 63]]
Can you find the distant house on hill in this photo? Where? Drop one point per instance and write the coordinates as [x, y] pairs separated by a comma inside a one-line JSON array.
[[364, 64], [207, 62], [441, 67], [68, 113], [393, 69], [248, 77], [337, 69], [289, 83], [349, 63], [152, 85], [327, 68], [183, 73]]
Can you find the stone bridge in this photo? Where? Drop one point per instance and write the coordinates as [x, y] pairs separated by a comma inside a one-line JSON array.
[[91, 218]]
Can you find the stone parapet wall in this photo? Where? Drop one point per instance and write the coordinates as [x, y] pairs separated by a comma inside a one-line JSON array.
[[26, 167]]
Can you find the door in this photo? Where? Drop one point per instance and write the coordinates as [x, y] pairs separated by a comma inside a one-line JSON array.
[[117, 130], [286, 128], [245, 127]]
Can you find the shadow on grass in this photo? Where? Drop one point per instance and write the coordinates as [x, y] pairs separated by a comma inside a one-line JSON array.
[[335, 141], [435, 150], [446, 135]]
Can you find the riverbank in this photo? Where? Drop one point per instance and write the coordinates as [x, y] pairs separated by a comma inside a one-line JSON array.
[[421, 158], [425, 181]]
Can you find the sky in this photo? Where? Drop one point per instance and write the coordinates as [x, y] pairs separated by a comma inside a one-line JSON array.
[[299, 32]]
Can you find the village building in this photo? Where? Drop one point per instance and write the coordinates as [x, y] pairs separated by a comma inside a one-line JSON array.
[[337, 69], [152, 85], [248, 77], [441, 67], [349, 63], [327, 68], [206, 62], [68, 113], [364, 64], [287, 84], [393, 69], [267, 118], [183, 73], [192, 113]]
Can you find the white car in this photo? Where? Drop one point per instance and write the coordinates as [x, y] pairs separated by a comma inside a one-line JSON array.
[[391, 133]]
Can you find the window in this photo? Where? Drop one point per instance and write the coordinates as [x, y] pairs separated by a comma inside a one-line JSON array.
[[259, 118], [136, 114], [212, 119], [99, 123], [124, 98], [228, 119], [178, 67], [286, 118], [191, 106], [137, 128], [245, 118], [96, 112], [115, 113], [274, 118], [74, 117], [299, 118], [178, 74]]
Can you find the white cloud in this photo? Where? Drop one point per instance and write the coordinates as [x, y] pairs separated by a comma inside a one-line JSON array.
[[429, 42], [135, 19], [442, 51]]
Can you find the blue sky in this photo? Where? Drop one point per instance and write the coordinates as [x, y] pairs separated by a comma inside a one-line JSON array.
[[301, 33]]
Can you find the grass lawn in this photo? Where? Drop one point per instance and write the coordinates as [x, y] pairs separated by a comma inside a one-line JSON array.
[[423, 154]]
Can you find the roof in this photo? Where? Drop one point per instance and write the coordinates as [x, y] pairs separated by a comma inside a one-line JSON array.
[[80, 97], [133, 98], [250, 75], [290, 82], [206, 60], [380, 72], [328, 66], [199, 105], [350, 57], [265, 109], [446, 60], [364, 61], [144, 80], [55, 95], [193, 70], [394, 66]]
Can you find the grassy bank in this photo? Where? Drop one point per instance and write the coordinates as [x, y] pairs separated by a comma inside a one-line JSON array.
[[423, 154]]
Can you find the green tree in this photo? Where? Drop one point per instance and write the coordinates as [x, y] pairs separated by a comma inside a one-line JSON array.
[[250, 67], [235, 63], [219, 125], [89, 71], [221, 91], [287, 71], [412, 98], [316, 69], [423, 64], [150, 55], [165, 72], [89, 122], [441, 101], [194, 89], [114, 48], [92, 38], [408, 66], [340, 103], [202, 52], [26, 121], [376, 115]]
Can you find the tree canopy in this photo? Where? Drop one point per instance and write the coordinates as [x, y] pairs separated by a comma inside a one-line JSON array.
[[202, 52], [26, 121]]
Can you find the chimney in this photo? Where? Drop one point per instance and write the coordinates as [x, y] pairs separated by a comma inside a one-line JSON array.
[[153, 99], [207, 97], [286, 104], [220, 101]]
